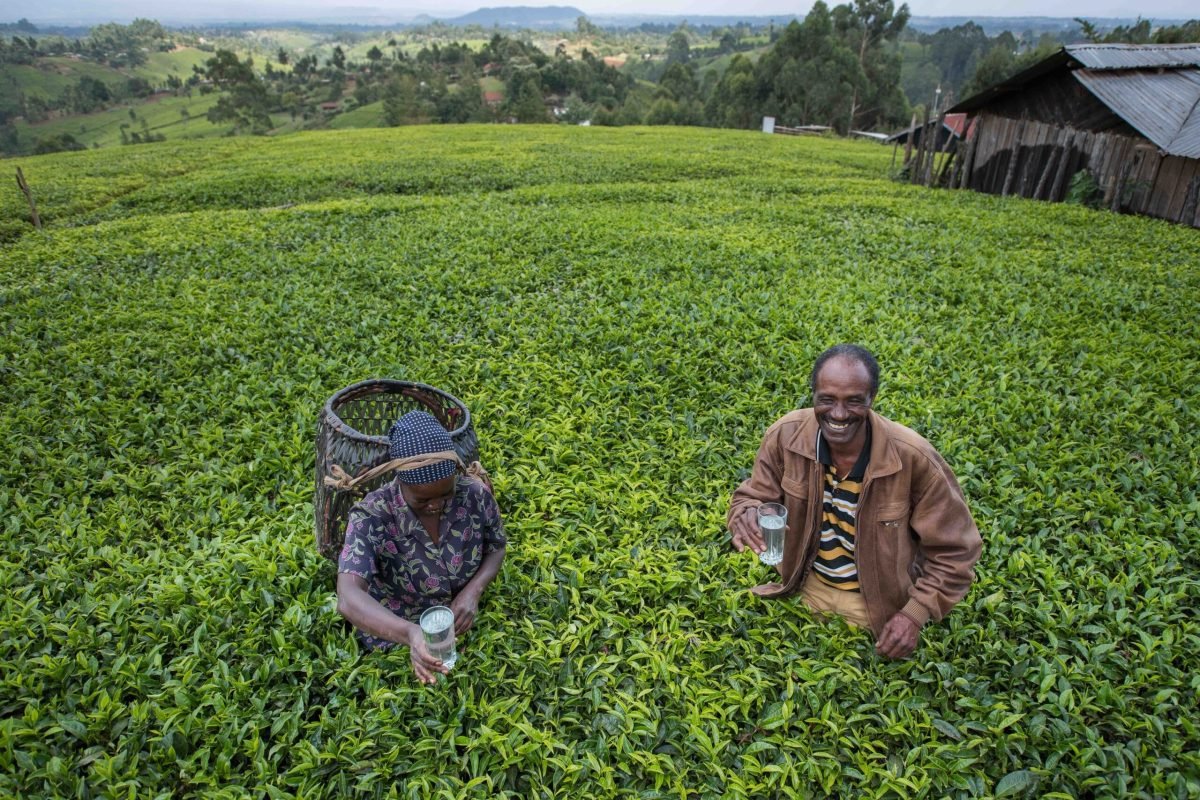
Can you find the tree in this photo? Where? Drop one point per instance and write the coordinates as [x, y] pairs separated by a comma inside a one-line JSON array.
[[282, 56], [244, 102], [1002, 62], [401, 104], [956, 51], [1138, 33], [374, 55], [1179, 34], [679, 51], [679, 81], [865, 27], [735, 102], [63, 142], [810, 76], [338, 59], [464, 104], [526, 101], [585, 28]]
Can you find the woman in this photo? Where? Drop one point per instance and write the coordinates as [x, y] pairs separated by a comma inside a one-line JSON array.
[[433, 536]]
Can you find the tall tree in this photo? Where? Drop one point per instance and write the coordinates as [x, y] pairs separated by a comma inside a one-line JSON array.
[[679, 51], [244, 101], [810, 76], [865, 26]]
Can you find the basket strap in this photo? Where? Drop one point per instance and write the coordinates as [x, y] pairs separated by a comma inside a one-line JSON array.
[[341, 480], [476, 470]]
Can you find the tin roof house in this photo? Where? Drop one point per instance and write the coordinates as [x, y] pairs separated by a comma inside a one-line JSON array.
[[1128, 115]]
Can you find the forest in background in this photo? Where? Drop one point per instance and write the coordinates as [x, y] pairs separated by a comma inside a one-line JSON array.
[[855, 66]]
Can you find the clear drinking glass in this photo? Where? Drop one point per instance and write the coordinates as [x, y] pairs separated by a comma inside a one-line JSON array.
[[772, 522], [437, 623]]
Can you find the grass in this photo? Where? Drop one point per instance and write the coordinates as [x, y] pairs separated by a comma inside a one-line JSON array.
[[368, 116], [178, 62], [624, 311]]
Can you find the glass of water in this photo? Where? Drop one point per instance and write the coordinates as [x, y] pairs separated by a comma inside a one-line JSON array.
[[437, 623], [772, 522]]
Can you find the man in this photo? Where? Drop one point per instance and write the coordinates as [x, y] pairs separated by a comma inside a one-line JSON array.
[[430, 537], [878, 530]]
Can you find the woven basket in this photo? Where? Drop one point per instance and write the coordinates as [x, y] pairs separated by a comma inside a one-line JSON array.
[[352, 433]]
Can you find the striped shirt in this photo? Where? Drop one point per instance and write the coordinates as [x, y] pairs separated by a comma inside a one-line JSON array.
[[835, 562]]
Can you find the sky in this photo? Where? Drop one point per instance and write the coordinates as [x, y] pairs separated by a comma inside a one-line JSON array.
[[167, 11]]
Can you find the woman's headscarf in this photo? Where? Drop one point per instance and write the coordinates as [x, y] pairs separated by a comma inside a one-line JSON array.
[[418, 433]]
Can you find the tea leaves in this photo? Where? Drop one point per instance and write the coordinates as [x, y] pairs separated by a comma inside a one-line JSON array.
[[624, 311]]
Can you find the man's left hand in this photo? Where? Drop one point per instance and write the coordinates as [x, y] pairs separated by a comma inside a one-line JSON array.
[[899, 638], [465, 606]]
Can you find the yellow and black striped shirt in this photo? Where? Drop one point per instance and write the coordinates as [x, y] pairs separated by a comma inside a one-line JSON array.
[[835, 562]]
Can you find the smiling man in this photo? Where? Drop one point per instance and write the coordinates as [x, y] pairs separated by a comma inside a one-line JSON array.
[[878, 530]]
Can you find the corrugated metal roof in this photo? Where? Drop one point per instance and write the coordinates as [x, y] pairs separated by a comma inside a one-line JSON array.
[[1135, 56], [1153, 87], [1164, 106], [953, 123]]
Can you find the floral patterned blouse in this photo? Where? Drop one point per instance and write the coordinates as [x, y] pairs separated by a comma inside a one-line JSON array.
[[387, 545]]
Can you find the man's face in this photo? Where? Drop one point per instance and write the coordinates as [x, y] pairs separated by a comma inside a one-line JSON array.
[[429, 498], [842, 399]]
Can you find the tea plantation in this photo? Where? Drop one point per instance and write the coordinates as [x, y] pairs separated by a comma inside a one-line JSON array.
[[624, 311]]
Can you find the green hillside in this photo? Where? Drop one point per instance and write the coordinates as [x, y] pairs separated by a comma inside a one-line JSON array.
[[368, 116], [624, 311], [173, 117]]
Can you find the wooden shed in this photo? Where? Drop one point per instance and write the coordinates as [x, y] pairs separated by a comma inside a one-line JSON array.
[[1128, 114]]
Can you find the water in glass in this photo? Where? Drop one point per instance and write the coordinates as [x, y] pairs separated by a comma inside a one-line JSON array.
[[772, 527], [437, 624]]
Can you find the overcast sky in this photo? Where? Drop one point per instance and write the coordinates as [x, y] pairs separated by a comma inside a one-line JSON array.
[[87, 11]]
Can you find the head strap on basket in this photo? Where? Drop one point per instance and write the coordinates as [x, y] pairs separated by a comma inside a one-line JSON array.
[[342, 481]]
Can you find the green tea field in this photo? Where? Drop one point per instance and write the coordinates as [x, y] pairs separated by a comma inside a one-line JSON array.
[[624, 311]]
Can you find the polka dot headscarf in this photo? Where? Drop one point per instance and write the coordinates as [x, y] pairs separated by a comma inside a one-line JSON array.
[[415, 434]]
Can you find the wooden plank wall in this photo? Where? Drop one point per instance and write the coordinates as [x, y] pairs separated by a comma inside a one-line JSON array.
[[1131, 173]]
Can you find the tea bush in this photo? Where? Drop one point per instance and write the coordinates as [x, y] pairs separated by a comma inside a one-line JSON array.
[[624, 311]]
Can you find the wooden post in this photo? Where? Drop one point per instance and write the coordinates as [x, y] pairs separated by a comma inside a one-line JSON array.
[[1190, 201], [24, 187], [1060, 174], [1115, 205], [952, 148], [933, 147], [922, 149], [912, 127], [907, 144], [957, 158], [968, 161], [1013, 157], [1051, 165]]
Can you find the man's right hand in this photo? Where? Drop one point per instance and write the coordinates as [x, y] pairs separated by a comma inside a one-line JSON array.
[[744, 528], [424, 665]]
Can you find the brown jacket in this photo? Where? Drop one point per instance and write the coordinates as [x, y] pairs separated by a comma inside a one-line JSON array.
[[916, 544]]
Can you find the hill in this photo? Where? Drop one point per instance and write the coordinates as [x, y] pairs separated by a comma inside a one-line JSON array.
[[531, 17], [624, 311]]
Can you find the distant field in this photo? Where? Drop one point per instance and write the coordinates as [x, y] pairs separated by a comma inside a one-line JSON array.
[[178, 63], [49, 78], [163, 116], [721, 63], [368, 116]]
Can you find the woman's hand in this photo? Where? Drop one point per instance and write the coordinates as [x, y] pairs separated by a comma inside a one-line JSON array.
[[465, 606], [424, 665]]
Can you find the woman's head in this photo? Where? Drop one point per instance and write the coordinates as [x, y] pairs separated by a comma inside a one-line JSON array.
[[418, 433]]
